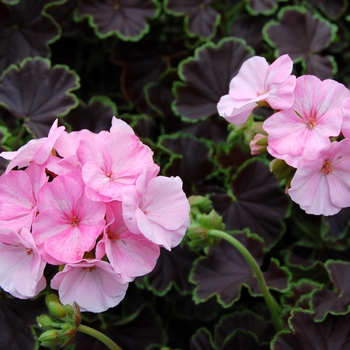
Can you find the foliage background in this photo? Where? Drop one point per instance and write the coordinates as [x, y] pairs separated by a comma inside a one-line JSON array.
[[162, 65]]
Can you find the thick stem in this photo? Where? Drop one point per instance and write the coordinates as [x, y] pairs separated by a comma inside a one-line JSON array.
[[100, 336], [269, 299]]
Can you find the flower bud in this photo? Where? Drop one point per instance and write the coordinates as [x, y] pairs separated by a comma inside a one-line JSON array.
[[57, 309], [44, 321], [49, 338], [199, 204], [258, 144], [281, 169]]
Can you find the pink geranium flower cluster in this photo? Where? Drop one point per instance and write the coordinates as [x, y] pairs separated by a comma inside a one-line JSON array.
[[310, 129], [91, 203]]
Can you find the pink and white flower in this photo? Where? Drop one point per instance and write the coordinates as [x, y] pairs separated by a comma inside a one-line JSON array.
[[322, 185], [21, 266], [255, 83], [157, 208], [92, 284], [68, 222]]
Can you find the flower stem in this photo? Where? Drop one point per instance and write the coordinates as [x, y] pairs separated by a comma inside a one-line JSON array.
[[269, 299], [100, 336]]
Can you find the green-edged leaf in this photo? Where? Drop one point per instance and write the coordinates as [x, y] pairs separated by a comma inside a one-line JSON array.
[[95, 116], [193, 164], [332, 9], [303, 36], [202, 340], [26, 30], [331, 334], [172, 269], [201, 19], [257, 203], [206, 77], [265, 7], [241, 339], [37, 93], [327, 301], [128, 19], [225, 271], [245, 320]]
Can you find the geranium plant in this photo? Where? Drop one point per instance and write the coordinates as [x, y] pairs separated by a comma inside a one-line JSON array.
[[174, 174]]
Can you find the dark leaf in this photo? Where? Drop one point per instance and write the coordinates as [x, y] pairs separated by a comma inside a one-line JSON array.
[[241, 339], [246, 320], [325, 300], [225, 271], [95, 116], [193, 166], [261, 6], [26, 30], [202, 340], [201, 18], [125, 18], [16, 319], [331, 334], [197, 96], [332, 9], [303, 41], [38, 94], [172, 269], [338, 225], [259, 203]]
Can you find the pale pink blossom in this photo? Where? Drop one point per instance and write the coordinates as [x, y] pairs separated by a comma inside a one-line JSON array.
[[322, 185], [21, 266], [345, 128], [306, 128], [68, 223], [111, 165], [92, 284], [158, 208], [257, 83], [255, 148], [18, 196], [129, 254], [37, 150]]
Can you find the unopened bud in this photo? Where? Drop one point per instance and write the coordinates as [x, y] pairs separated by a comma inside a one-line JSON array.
[[281, 169], [50, 338], [44, 321], [258, 144], [199, 204]]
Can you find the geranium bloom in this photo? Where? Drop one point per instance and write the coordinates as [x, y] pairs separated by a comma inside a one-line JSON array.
[[18, 196], [158, 208], [92, 284], [322, 186], [21, 266], [257, 82], [37, 150], [129, 254], [68, 223], [305, 128], [111, 165]]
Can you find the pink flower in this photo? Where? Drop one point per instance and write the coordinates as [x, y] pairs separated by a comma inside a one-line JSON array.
[[92, 284], [68, 223], [158, 208], [322, 186], [35, 150], [18, 196], [257, 82], [111, 165], [258, 144], [129, 254], [305, 128], [21, 267]]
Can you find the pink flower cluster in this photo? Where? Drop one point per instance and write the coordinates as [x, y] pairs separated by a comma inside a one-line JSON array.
[[91, 203], [310, 129]]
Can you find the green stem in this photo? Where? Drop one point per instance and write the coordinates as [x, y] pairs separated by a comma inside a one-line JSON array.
[[100, 336], [269, 299]]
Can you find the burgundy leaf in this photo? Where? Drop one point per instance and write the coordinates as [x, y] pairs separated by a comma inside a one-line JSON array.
[[193, 164], [338, 224], [260, 204], [262, 6], [325, 300], [202, 340], [25, 31], [333, 333], [333, 9], [95, 116], [246, 320], [241, 339], [172, 269], [125, 18], [224, 272], [201, 18], [38, 94], [199, 93], [302, 41]]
